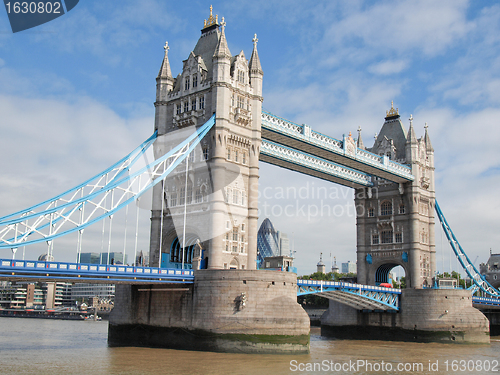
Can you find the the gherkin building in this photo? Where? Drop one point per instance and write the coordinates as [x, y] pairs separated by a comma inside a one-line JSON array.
[[270, 242]]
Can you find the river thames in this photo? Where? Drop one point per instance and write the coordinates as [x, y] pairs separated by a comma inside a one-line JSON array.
[[41, 346]]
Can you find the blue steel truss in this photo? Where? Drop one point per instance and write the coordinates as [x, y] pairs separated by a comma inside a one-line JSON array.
[[279, 130], [312, 165], [91, 273], [479, 283], [86, 204], [485, 302], [360, 297]]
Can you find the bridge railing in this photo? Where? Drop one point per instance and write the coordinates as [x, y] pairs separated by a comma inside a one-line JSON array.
[[341, 284], [306, 134], [83, 269], [302, 159]]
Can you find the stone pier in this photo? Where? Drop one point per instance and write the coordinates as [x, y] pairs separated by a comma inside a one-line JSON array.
[[247, 311], [426, 315]]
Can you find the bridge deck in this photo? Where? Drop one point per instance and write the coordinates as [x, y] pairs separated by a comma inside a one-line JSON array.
[[301, 137], [26, 270]]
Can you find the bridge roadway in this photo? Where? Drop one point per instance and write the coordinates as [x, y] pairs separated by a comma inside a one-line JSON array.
[[29, 270], [285, 143], [369, 297], [361, 297]]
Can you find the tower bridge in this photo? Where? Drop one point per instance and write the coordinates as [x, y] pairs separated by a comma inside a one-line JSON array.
[[210, 133]]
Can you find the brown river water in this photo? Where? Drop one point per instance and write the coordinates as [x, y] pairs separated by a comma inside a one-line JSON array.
[[40, 346]]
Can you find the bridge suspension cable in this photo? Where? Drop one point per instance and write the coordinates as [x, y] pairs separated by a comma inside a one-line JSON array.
[[479, 283], [85, 204]]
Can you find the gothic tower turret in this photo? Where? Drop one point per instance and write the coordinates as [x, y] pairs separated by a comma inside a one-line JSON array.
[[395, 223], [222, 176]]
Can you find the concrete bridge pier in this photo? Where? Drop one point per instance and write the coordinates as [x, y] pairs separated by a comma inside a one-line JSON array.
[[426, 315], [240, 311]]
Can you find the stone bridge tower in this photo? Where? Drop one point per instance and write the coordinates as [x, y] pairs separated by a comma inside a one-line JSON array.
[[395, 223], [222, 174]]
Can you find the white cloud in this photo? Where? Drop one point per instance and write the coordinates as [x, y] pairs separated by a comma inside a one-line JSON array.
[[402, 26], [388, 67], [49, 146]]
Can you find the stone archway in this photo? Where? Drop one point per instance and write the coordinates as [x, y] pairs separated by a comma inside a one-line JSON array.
[[383, 271]]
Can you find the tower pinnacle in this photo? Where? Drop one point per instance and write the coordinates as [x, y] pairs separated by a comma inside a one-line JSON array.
[[254, 64], [211, 20], [165, 71]]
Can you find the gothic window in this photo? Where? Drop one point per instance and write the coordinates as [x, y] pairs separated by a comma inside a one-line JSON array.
[[198, 196], [401, 209], [398, 237], [232, 101], [205, 153], [242, 249], [189, 196], [235, 248], [375, 239], [236, 156], [235, 196], [195, 80], [228, 194], [386, 236], [243, 158], [241, 76], [203, 190], [242, 227], [182, 197], [191, 156], [371, 212], [228, 154], [235, 234], [186, 83], [243, 239], [386, 208], [193, 105], [243, 199], [248, 104], [424, 237], [241, 102], [227, 249], [173, 199], [186, 106], [202, 102], [178, 109], [388, 154]]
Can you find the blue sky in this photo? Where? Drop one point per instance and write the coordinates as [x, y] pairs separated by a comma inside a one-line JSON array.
[[77, 93]]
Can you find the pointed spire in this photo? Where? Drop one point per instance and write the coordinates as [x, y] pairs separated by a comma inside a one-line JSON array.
[[165, 71], [411, 137], [254, 64], [360, 141], [427, 139], [222, 50]]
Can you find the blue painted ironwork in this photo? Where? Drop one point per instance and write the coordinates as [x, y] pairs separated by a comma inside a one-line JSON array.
[[360, 297], [485, 302], [66, 212], [272, 124], [313, 163], [95, 273], [479, 283]]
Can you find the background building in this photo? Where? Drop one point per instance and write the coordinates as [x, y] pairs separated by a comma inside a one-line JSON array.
[[349, 267], [270, 242]]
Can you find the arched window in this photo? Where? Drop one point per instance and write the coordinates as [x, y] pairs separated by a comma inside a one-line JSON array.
[[371, 212], [386, 208]]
